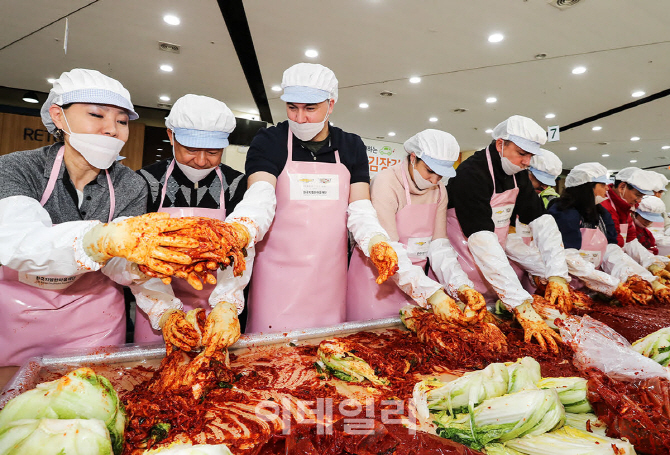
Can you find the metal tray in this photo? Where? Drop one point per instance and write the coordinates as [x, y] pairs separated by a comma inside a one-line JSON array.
[[118, 358]]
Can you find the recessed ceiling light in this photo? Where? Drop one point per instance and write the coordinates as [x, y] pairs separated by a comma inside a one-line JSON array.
[[491, 99], [579, 70], [634, 138], [633, 161], [166, 68], [160, 150], [637, 94], [415, 79], [432, 119], [331, 123], [276, 88], [597, 128], [391, 133], [51, 80], [171, 19], [496, 38], [573, 148], [550, 116], [489, 131], [605, 155], [666, 147], [31, 97], [311, 53], [164, 98], [364, 105], [166, 140]]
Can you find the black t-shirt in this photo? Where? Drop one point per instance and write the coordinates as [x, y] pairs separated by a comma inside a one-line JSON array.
[[268, 152], [470, 193]]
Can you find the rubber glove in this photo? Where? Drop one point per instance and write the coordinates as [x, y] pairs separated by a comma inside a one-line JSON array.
[[178, 331], [475, 305], [661, 292], [383, 256], [659, 271], [446, 309], [221, 329], [641, 287], [140, 240], [627, 297], [535, 327], [557, 294]]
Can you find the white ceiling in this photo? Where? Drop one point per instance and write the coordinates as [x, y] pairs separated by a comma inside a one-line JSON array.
[[375, 45]]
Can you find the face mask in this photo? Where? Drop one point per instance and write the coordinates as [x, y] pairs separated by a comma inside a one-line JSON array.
[[421, 183], [191, 173], [600, 199], [508, 167], [307, 131], [98, 150]]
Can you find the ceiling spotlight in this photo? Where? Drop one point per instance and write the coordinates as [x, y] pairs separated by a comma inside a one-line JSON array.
[[496, 38], [579, 70], [166, 68], [432, 119], [637, 94], [160, 150], [51, 80], [666, 147], [634, 138], [31, 97], [596, 128], [171, 19], [364, 105], [550, 116], [415, 79], [391, 133], [489, 131], [605, 155], [491, 99], [633, 161], [276, 88], [311, 53], [164, 98], [573, 148]]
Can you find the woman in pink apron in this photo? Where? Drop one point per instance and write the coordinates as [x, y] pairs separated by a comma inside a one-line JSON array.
[[47, 303], [410, 200]]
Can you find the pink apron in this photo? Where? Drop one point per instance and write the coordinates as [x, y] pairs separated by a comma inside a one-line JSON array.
[[190, 297], [300, 270], [594, 244], [502, 205], [365, 298], [43, 315]]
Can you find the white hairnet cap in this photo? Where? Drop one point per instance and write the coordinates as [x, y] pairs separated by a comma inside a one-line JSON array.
[[651, 208], [438, 149], [643, 181], [201, 121], [660, 181], [546, 167], [524, 132], [586, 173], [308, 83], [86, 86], [625, 173]]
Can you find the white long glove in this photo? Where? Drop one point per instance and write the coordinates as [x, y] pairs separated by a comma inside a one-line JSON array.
[[363, 224], [621, 266], [230, 288], [411, 279], [444, 262], [527, 256], [548, 240], [492, 262], [31, 243], [256, 210], [643, 256], [151, 295], [589, 275]]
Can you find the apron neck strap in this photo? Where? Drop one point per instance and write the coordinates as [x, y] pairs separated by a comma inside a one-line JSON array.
[[289, 148], [53, 177], [493, 179], [168, 173]]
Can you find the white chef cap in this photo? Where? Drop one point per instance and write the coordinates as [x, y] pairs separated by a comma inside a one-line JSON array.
[[86, 86], [625, 173], [651, 208], [585, 173], [438, 149], [308, 83], [524, 132], [201, 122], [642, 181], [660, 181], [546, 167]]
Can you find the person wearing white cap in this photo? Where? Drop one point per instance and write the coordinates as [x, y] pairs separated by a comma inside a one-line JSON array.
[[543, 171], [411, 201], [488, 189], [196, 183], [660, 185], [53, 201], [650, 210], [322, 180], [589, 235]]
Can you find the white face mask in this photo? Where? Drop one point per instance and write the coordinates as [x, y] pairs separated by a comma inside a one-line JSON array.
[[600, 199], [421, 183], [191, 173], [508, 167], [308, 131], [98, 150]]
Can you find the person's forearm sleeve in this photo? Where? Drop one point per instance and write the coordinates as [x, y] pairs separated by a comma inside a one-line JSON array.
[[444, 262], [549, 242]]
